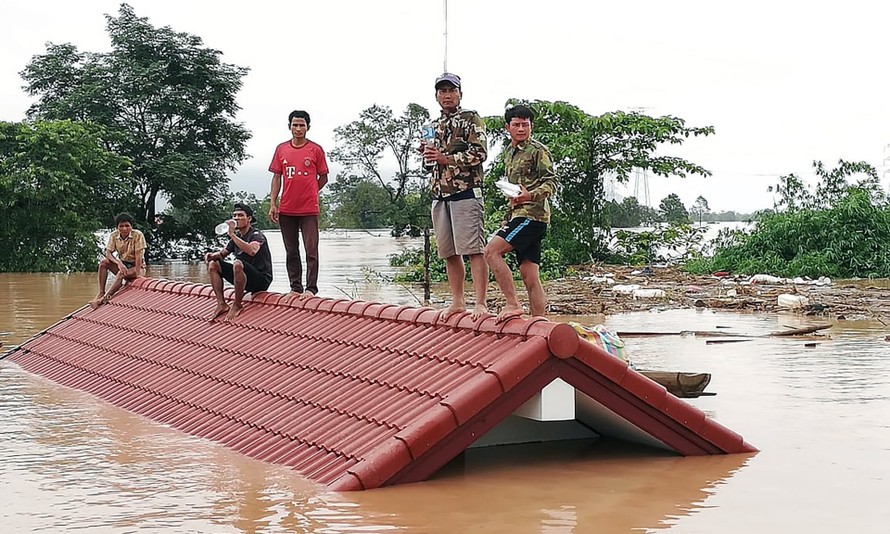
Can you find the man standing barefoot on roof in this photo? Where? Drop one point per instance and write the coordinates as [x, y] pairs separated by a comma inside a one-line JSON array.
[[527, 164], [456, 184], [299, 171]]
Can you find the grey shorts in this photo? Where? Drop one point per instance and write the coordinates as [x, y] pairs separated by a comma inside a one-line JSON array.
[[459, 227]]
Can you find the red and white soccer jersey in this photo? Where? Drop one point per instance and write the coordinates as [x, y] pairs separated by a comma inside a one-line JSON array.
[[299, 169]]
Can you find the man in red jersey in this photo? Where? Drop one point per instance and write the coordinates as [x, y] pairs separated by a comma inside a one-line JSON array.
[[299, 171]]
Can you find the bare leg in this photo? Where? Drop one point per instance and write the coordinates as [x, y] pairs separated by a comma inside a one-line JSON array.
[[104, 267], [216, 282], [115, 287], [479, 271], [531, 277], [454, 267], [240, 281], [494, 256]]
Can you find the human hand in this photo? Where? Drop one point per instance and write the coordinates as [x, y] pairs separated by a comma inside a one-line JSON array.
[[432, 155], [523, 197], [273, 214]]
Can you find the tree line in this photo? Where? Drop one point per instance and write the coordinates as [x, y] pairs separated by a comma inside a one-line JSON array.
[[154, 117]]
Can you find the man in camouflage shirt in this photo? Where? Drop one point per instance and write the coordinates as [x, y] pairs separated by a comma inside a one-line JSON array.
[[528, 164], [455, 165]]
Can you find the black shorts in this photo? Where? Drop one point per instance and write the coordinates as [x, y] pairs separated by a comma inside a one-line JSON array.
[[525, 236], [256, 281]]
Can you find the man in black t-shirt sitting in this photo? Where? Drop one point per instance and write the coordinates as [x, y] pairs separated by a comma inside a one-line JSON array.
[[251, 270]]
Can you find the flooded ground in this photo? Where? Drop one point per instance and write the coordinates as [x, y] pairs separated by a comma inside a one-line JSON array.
[[818, 415]]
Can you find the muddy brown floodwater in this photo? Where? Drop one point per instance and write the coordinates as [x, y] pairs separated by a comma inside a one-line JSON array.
[[818, 414]]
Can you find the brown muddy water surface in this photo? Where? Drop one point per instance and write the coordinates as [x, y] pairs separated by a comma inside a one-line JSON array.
[[819, 416]]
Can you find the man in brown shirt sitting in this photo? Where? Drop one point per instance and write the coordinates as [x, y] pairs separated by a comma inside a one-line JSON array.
[[124, 256]]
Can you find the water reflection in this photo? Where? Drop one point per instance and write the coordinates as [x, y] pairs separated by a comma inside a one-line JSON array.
[[579, 486]]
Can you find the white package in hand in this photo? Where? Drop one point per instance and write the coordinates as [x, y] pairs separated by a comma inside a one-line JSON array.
[[222, 228], [508, 189]]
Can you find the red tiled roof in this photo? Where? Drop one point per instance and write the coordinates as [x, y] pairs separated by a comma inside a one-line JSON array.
[[352, 394]]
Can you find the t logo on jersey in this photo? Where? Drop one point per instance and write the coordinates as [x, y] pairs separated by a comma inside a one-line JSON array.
[[289, 171]]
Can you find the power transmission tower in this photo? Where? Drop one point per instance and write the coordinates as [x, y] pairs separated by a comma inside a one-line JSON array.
[[642, 176]]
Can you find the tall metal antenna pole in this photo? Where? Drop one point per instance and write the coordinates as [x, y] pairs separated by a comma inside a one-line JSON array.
[[445, 60]]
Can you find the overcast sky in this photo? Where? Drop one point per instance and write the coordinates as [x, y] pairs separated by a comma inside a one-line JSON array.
[[783, 83]]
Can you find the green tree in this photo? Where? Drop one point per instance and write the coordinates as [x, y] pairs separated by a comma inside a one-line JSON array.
[[380, 140], [358, 202], [673, 210], [840, 230], [625, 214], [588, 147], [700, 207], [58, 185], [166, 102]]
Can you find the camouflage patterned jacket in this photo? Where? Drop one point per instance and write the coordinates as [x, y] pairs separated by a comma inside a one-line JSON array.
[[529, 163], [461, 137]]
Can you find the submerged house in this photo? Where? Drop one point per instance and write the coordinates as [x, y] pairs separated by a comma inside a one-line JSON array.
[[357, 395]]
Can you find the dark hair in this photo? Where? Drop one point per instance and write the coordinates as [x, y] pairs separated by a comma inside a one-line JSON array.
[[298, 114], [123, 217], [518, 112]]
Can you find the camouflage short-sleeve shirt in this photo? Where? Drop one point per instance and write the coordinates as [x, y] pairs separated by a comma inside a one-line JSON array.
[[461, 137], [529, 163]]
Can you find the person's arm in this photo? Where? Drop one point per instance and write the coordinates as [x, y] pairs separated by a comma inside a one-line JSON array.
[[273, 197], [248, 247], [322, 169], [544, 184], [477, 146], [216, 256]]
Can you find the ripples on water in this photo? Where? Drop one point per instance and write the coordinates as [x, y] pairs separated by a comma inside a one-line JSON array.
[[819, 415]]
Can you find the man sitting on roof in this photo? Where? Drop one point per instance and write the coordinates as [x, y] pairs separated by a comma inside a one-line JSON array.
[[251, 271], [124, 256]]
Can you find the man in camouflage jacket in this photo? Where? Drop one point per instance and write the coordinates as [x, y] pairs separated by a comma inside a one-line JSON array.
[[454, 161], [529, 165]]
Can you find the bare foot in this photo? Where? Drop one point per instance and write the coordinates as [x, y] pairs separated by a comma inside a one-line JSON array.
[[293, 295], [233, 312], [307, 295], [96, 302], [478, 311], [220, 309], [509, 313], [451, 310]]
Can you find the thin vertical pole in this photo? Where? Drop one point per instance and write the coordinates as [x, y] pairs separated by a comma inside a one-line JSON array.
[[445, 61]]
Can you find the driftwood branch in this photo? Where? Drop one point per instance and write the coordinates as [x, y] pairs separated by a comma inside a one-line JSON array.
[[800, 331]]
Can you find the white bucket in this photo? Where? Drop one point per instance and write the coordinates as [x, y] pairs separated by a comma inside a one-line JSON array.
[[791, 301]]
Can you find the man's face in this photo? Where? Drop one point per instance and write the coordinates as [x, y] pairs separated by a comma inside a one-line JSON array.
[[448, 97], [298, 127], [520, 129], [241, 219], [124, 229]]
